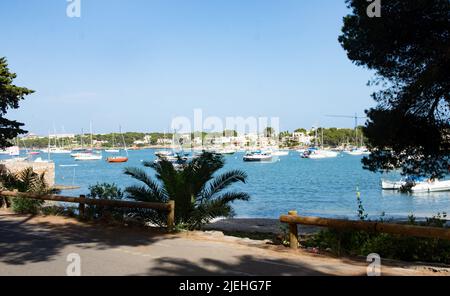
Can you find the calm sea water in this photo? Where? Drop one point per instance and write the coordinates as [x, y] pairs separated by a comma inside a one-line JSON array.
[[324, 187]]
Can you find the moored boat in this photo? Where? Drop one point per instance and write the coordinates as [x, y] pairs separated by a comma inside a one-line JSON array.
[[117, 159], [257, 156], [88, 157]]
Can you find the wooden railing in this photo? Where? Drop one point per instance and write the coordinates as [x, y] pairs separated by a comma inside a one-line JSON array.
[[82, 201], [375, 227]]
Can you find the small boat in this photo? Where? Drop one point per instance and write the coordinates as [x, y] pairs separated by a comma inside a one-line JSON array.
[[257, 156], [392, 185], [56, 150], [112, 150], [117, 159], [358, 151], [226, 151], [11, 151], [314, 153], [88, 157], [161, 153], [34, 153]]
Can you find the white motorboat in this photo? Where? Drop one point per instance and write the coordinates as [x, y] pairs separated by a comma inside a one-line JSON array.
[[227, 151], [162, 153], [56, 150], [417, 185], [255, 156], [11, 151], [88, 156], [319, 154], [392, 185], [358, 151], [431, 186], [112, 151]]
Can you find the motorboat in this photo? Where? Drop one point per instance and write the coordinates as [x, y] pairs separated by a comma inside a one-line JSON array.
[[431, 186], [88, 157], [11, 151], [358, 151], [314, 153], [56, 150], [226, 151], [257, 156], [417, 185], [112, 150], [162, 153]]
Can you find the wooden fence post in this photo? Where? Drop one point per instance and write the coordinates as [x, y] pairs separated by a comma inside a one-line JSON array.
[[81, 207], [293, 232], [171, 216]]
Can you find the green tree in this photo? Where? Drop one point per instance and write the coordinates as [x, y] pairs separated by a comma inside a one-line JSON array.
[[301, 130], [200, 195], [269, 132], [10, 96], [408, 48]]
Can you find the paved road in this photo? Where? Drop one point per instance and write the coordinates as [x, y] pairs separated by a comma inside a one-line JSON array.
[[40, 246]]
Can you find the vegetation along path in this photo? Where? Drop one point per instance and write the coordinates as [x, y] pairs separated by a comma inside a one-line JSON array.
[[40, 246]]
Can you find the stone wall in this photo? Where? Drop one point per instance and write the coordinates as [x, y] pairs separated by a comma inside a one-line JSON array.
[[38, 167]]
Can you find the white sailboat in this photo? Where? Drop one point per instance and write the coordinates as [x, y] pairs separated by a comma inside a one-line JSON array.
[[89, 156], [113, 149]]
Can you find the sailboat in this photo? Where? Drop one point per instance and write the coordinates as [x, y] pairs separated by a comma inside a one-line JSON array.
[[113, 149], [118, 158], [87, 156], [319, 153]]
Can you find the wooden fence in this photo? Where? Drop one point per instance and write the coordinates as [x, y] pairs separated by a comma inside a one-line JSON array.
[[375, 227], [82, 201]]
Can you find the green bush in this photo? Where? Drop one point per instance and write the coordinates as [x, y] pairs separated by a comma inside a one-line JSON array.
[[26, 181], [105, 191], [26, 205], [360, 243]]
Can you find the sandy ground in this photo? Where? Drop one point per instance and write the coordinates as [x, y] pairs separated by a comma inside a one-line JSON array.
[[40, 246], [255, 225]]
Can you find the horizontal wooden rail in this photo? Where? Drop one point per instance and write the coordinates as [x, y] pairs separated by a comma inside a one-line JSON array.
[[82, 201], [407, 230]]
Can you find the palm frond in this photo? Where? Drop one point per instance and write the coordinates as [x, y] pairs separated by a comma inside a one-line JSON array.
[[223, 181], [143, 193], [143, 177]]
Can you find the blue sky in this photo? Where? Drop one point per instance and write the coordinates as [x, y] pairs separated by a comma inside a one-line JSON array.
[[139, 63]]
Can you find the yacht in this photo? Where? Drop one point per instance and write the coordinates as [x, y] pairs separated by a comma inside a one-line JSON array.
[[418, 185], [257, 156], [314, 153]]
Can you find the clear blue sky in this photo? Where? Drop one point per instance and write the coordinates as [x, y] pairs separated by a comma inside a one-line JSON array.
[[138, 63]]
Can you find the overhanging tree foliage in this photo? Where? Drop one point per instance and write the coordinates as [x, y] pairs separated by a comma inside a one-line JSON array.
[[10, 96], [408, 47]]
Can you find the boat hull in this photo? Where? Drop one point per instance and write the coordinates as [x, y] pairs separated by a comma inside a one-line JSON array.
[[117, 159]]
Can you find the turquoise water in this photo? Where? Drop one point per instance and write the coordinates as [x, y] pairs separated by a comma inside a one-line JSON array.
[[324, 187]]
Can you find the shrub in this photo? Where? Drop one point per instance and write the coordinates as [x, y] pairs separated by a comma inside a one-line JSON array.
[[25, 181], [26, 205], [352, 242], [105, 191]]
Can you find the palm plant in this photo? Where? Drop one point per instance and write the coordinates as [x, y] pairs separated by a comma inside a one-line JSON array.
[[25, 181], [199, 193]]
